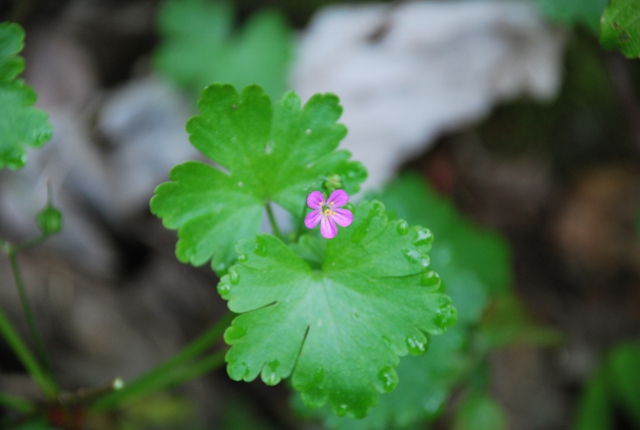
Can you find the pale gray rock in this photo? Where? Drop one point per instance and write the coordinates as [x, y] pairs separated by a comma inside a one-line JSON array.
[[143, 122], [407, 73]]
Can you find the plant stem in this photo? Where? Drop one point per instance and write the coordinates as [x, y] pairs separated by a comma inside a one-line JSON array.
[[26, 308], [16, 403], [174, 371], [272, 220], [12, 337]]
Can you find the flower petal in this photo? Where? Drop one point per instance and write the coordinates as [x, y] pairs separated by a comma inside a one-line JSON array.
[[338, 198], [328, 228], [313, 218], [315, 200], [343, 217]]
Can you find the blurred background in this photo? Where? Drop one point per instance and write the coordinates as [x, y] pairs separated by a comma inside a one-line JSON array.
[[517, 129]]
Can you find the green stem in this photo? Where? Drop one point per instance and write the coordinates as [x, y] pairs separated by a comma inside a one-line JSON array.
[[16, 403], [30, 243], [12, 337], [5, 246], [272, 220], [37, 340], [176, 370]]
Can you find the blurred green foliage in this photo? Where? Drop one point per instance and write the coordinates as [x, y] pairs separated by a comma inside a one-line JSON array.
[[584, 13], [612, 391], [475, 267], [200, 45], [620, 27], [21, 125], [479, 412]]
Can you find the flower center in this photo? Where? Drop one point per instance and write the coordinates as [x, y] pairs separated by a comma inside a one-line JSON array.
[[326, 210]]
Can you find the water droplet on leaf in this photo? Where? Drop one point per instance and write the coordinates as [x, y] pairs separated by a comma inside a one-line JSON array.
[[424, 237], [234, 278], [224, 289], [389, 379], [342, 410], [242, 258], [446, 316], [417, 345], [269, 373], [308, 131], [220, 268], [431, 279], [403, 227], [414, 256], [241, 184]]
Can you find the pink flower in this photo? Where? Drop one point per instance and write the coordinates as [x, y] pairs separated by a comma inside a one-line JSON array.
[[328, 213]]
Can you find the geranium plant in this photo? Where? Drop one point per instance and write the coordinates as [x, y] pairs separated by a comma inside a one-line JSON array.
[[333, 311]]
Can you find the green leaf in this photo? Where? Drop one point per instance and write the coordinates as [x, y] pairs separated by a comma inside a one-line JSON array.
[[620, 27], [623, 364], [266, 154], [460, 246], [424, 386], [21, 125], [337, 330], [199, 47], [480, 412], [574, 12], [595, 410], [472, 263]]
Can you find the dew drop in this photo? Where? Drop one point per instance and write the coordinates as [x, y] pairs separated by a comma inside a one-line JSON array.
[[240, 184], [308, 131], [416, 345], [342, 410], [403, 227], [389, 379], [351, 174], [431, 279], [242, 258], [269, 373], [446, 316], [117, 384], [269, 148], [415, 256], [224, 289], [424, 237], [234, 278], [220, 268]]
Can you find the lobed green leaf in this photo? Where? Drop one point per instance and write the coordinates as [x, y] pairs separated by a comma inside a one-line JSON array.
[[21, 125], [264, 154], [338, 329]]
